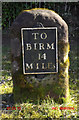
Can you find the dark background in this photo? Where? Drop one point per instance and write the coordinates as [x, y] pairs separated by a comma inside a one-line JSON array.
[[10, 10]]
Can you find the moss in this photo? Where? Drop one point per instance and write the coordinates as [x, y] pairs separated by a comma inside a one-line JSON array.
[[64, 47], [23, 90], [65, 64]]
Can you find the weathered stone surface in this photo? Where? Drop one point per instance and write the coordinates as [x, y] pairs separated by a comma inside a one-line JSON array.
[[34, 86], [17, 50]]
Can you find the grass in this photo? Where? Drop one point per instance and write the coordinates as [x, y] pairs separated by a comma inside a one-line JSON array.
[[6, 87], [43, 109]]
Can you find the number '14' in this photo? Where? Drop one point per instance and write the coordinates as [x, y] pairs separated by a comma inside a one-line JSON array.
[[43, 56]]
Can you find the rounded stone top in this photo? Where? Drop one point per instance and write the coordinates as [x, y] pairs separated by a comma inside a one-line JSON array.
[[29, 18]]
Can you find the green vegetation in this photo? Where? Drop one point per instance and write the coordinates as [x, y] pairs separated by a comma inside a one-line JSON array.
[[42, 108], [6, 87]]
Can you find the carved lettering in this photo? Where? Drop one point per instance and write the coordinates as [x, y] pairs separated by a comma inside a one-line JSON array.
[[29, 66], [35, 35], [43, 35], [50, 46]]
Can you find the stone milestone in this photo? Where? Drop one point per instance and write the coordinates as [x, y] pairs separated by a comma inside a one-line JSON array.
[[39, 55]]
